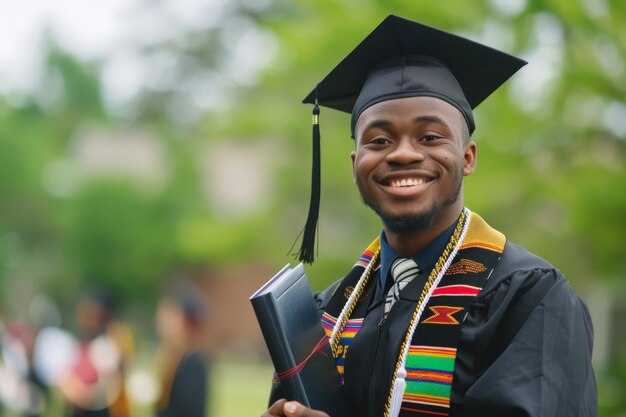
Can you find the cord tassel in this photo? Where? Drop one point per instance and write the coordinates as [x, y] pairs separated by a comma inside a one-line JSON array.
[[307, 248], [399, 385]]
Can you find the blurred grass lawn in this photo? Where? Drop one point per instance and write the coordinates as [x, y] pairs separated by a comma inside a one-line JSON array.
[[240, 387]]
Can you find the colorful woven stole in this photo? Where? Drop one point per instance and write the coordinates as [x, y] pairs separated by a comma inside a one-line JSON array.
[[343, 293], [432, 352]]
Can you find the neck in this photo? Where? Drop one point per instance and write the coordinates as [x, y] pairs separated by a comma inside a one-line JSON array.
[[409, 243]]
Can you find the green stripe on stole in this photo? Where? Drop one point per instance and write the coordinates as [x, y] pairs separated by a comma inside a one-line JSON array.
[[428, 388], [430, 362]]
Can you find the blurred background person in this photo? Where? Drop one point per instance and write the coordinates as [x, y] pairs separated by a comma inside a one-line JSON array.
[[94, 386], [182, 363], [22, 390]]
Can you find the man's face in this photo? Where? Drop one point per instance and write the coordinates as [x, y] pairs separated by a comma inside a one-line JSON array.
[[410, 159]]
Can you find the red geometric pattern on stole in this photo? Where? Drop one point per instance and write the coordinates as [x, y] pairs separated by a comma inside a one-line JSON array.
[[443, 315]]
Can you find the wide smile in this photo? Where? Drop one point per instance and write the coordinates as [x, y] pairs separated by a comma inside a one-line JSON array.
[[407, 182], [406, 185]]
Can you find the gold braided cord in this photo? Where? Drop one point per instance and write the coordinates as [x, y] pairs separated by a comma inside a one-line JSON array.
[[358, 291], [454, 240]]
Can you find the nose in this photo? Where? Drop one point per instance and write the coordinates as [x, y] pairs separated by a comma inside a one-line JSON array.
[[405, 152]]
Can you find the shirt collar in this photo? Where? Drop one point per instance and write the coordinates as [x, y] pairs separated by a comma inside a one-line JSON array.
[[425, 259]]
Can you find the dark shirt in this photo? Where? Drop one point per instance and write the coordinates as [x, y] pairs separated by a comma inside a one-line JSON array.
[[425, 259]]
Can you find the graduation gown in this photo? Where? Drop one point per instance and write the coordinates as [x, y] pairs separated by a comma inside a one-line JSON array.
[[186, 396], [524, 347]]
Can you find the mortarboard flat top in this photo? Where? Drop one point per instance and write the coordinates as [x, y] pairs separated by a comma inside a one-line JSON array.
[[478, 69]]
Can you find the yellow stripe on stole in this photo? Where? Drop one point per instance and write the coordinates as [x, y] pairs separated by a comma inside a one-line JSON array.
[[480, 234]]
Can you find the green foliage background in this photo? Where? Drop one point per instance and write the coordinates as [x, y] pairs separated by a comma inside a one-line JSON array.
[[551, 172]]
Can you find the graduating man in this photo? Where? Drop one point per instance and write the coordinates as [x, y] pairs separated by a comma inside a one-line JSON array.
[[441, 315]]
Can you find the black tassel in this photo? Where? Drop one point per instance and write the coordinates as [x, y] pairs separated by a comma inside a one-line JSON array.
[[307, 248]]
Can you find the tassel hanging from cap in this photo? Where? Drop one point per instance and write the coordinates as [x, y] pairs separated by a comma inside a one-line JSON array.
[[307, 247]]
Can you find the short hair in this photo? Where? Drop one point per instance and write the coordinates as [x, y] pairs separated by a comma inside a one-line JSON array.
[[465, 133]]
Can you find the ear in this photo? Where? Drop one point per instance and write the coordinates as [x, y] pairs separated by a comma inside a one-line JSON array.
[[353, 158], [470, 158]]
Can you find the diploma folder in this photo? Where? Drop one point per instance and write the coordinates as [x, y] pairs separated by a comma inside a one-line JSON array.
[[290, 322]]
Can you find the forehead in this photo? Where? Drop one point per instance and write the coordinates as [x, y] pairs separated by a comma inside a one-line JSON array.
[[409, 109]]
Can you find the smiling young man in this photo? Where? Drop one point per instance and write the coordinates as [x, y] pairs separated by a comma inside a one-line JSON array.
[[441, 315]]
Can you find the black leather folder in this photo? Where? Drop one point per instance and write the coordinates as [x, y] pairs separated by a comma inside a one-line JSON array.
[[290, 322]]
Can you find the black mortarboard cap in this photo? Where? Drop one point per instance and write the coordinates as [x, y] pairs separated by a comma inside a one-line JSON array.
[[478, 69], [403, 58]]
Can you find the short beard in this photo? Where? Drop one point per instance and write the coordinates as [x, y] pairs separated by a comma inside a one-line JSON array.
[[406, 224]]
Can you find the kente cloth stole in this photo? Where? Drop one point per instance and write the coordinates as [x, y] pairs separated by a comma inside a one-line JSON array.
[[432, 353]]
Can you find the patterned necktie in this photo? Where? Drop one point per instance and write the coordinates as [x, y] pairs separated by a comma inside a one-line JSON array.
[[403, 270]]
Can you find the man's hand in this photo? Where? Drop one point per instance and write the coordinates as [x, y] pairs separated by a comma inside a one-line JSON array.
[[284, 408]]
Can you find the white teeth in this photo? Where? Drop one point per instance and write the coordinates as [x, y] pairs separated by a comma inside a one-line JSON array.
[[407, 182]]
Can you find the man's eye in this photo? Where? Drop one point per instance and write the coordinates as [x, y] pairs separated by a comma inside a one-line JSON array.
[[379, 141], [429, 138]]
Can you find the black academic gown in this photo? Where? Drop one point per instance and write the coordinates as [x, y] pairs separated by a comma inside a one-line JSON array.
[[524, 349]]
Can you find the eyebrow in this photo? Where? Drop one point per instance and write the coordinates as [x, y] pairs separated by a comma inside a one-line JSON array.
[[377, 123], [428, 118]]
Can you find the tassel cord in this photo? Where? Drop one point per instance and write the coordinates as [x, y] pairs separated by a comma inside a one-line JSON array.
[[307, 248]]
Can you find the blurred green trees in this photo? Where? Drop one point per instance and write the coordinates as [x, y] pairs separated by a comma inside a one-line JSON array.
[[551, 145]]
